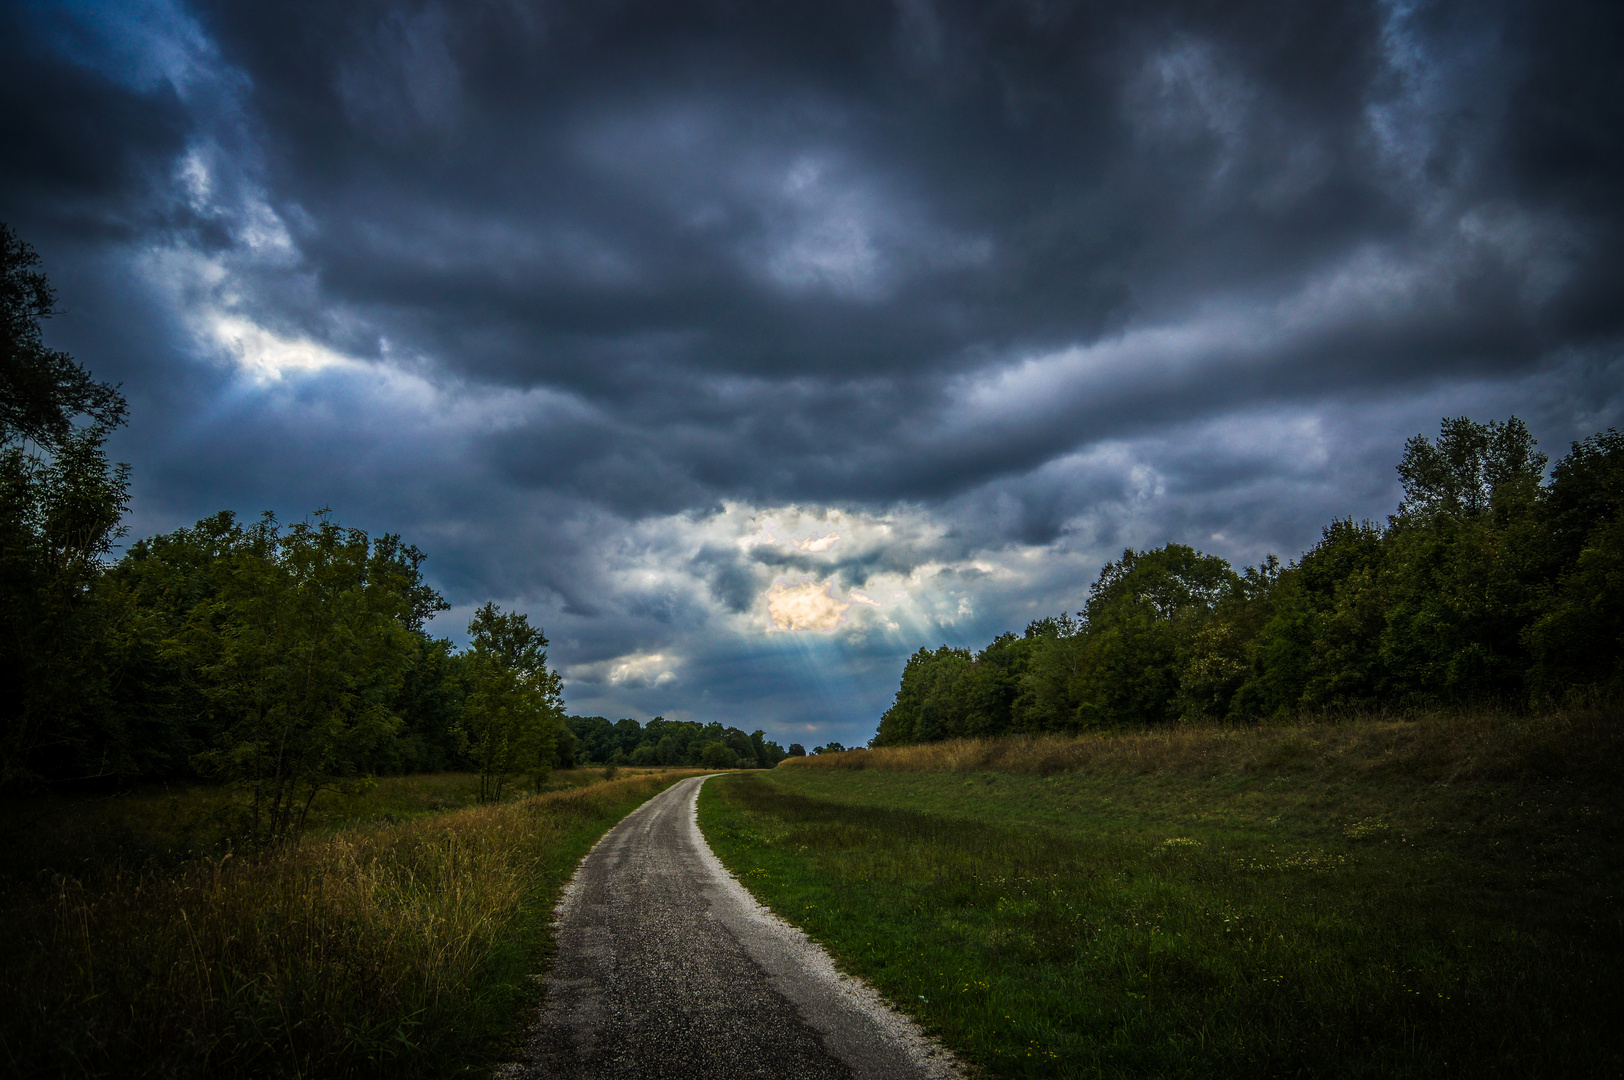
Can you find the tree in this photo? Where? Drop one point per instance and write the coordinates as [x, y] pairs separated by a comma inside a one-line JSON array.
[[796, 750], [58, 520], [768, 753], [928, 705], [1577, 642], [1470, 466], [43, 391], [743, 747], [300, 654], [61, 501], [1320, 645], [515, 708], [1141, 613], [1586, 492]]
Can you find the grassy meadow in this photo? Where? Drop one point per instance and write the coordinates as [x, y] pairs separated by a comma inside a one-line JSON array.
[[397, 939], [1369, 897]]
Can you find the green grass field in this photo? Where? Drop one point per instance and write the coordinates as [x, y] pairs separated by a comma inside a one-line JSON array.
[[1373, 898], [399, 938]]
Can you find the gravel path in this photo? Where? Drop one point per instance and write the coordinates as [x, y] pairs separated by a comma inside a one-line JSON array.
[[666, 967]]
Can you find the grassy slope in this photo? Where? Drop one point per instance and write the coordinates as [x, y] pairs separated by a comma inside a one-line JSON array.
[[1361, 899], [400, 944]]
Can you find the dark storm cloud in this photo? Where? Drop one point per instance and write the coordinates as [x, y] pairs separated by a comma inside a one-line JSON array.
[[633, 203], [574, 294]]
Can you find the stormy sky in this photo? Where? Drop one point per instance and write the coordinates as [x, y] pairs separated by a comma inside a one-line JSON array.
[[749, 347]]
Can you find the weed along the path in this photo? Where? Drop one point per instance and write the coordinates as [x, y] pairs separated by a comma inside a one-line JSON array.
[[1390, 898], [402, 944]]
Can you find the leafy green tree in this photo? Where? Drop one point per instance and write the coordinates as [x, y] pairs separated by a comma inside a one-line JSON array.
[[159, 586], [300, 655], [1578, 644], [628, 736], [514, 708], [743, 747], [58, 520], [1139, 611], [1470, 467], [993, 683], [44, 392], [928, 706], [595, 736], [1043, 701], [1213, 654], [430, 706], [768, 753], [796, 750], [61, 501], [567, 754], [1577, 641], [1465, 564], [1320, 646]]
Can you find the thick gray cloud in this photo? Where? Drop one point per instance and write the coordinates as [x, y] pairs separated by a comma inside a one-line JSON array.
[[751, 347]]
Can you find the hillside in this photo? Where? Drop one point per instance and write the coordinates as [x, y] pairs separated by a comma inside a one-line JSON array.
[[1372, 897]]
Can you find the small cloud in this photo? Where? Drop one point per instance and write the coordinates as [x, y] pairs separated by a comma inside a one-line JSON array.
[[859, 598], [821, 543], [268, 357], [629, 670], [804, 607]]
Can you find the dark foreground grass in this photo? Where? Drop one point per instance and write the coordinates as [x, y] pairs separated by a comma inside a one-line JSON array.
[[1362, 899], [400, 947]]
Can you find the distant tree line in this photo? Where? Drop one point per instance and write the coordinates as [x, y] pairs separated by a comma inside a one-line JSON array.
[[1489, 584], [593, 740]]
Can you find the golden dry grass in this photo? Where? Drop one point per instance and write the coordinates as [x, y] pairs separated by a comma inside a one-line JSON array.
[[1443, 747], [370, 951]]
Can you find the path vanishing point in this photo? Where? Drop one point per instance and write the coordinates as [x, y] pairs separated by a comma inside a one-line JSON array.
[[666, 967]]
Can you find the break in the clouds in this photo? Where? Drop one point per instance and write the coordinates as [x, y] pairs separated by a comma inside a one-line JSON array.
[[749, 348]]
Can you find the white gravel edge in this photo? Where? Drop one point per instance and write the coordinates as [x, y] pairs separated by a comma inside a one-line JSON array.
[[932, 1060]]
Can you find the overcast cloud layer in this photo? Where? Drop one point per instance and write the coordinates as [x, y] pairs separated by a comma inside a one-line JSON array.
[[749, 348]]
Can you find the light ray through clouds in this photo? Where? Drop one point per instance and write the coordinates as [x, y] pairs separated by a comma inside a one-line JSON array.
[[749, 355]]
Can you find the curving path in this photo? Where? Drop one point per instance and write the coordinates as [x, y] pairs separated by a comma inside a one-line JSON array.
[[666, 967]]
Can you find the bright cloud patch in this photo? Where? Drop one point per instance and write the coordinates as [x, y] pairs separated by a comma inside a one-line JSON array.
[[266, 356], [630, 671], [804, 607], [822, 543]]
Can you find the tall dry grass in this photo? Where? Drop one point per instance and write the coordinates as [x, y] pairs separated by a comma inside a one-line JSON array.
[[374, 951], [1486, 743]]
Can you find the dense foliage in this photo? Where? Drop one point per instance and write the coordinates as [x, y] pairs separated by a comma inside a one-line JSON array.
[[669, 742], [1488, 584]]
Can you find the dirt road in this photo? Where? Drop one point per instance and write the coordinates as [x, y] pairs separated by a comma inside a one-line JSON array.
[[667, 968]]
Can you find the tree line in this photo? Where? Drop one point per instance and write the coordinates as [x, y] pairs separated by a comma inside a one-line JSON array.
[[284, 657], [1491, 583], [596, 741]]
